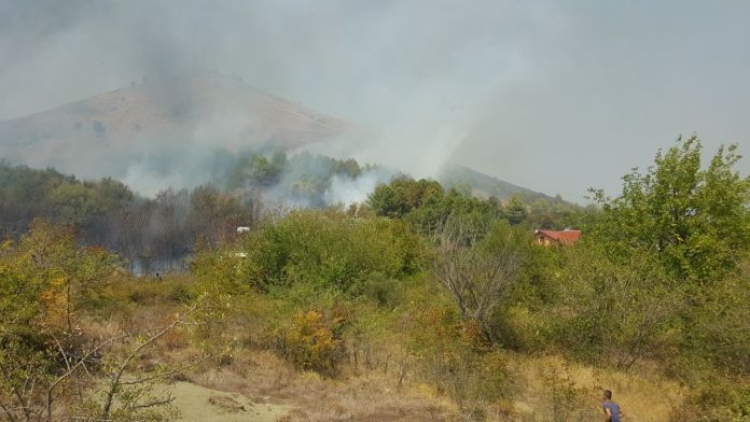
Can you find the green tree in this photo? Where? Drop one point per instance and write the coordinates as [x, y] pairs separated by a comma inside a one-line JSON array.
[[516, 210], [404, 195], [45, 281], [695, 219]]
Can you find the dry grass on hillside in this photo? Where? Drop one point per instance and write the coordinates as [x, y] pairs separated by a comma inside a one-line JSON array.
[[372, 396], [256, 385], [546, 388], [550, 388]]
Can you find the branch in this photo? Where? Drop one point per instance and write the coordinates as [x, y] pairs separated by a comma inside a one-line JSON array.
[[72, 369], [153, 403], [163, 375], [116, 379]]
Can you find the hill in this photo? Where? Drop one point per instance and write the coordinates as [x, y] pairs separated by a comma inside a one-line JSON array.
[[485, 186], [186, 116], [185, 131]]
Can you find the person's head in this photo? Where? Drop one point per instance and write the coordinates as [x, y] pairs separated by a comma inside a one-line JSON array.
[[607, 395]]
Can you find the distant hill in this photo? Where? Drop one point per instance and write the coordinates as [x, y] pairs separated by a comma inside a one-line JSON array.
[[103, 135], [485, 186], [184, 131]]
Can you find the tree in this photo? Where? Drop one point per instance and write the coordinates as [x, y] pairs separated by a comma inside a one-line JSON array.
[[516, 210], [618, 311], [404, 195], [44, 279], [478, 266], [49, 355], [695, 219], [212, 213]]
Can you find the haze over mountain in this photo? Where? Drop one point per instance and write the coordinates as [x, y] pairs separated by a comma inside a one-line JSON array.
[[180, 132], [167, 132], [557, 96]]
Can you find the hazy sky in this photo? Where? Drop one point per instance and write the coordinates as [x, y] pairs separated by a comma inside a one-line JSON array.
[[555, 96]]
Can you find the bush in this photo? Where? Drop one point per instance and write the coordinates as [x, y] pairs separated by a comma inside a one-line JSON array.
[[716, 400], [313, 341], [378, 288], [328, 250]]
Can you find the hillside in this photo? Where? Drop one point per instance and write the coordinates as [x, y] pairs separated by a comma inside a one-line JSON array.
[[485, 186], [104, 135], [183, 132]]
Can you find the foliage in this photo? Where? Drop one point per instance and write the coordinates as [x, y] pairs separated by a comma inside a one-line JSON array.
[[431, 286], [617, 313], [50, 360], [662, 274], [300, 180], [328, 250], [696, 220], [48, 272], [716, 400], [313, 340], [516, 210], [565, 398], [403, 195], [427, 206], [716, 328], [453, 356], [478, 266], [26, 194]]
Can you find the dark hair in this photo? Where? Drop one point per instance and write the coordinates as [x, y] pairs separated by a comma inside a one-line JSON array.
[[608, 394]]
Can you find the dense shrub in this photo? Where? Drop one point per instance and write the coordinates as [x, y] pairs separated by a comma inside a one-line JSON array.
[[328, 250], [312, 341]]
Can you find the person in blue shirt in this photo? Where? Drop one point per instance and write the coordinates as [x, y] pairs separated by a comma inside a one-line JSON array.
[[611, 409]]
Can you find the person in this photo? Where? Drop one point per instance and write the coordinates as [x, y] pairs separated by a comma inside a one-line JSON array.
[[611, 409]]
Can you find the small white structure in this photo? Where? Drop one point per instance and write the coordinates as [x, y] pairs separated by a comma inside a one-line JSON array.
[[243, 229]]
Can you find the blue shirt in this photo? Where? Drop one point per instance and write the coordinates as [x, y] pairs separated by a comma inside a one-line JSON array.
[[614, 409]]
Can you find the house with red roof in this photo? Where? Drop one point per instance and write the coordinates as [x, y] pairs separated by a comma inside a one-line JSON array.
[[565, 237]]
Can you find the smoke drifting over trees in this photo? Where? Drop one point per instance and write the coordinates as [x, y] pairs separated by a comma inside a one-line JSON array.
[[162, 230]]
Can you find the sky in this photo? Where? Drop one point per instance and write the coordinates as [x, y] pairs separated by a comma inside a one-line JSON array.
[[557, 96]]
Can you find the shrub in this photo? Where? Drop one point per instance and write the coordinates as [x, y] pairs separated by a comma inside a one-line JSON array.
[[313, 341], [328, 250], [716, 400]]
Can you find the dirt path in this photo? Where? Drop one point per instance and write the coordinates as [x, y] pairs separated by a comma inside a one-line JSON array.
[[199, 404]]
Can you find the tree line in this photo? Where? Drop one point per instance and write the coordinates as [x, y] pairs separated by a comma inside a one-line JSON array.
[[153, 233]]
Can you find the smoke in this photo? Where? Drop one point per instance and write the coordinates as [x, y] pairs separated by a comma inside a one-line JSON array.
[[403, 73], [519, 90], [307, 180], [350, 191]]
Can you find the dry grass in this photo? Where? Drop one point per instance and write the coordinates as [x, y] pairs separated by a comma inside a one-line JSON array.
[[256, 385], [372, 396], [643, 396], [541, 393], [542, 387]]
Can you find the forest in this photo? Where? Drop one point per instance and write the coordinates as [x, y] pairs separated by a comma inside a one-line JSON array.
[[426, 290]]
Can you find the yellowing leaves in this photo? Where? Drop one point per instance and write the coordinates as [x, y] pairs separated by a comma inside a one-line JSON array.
[[313, 342]]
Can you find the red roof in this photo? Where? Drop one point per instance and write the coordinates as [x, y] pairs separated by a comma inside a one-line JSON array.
[[566, 237]]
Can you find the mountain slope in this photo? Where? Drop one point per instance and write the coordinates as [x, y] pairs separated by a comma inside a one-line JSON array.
[[176, 132], [483, 185], [105, 134]]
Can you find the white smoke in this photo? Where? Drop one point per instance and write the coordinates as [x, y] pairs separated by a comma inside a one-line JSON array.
[[347, 191]]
